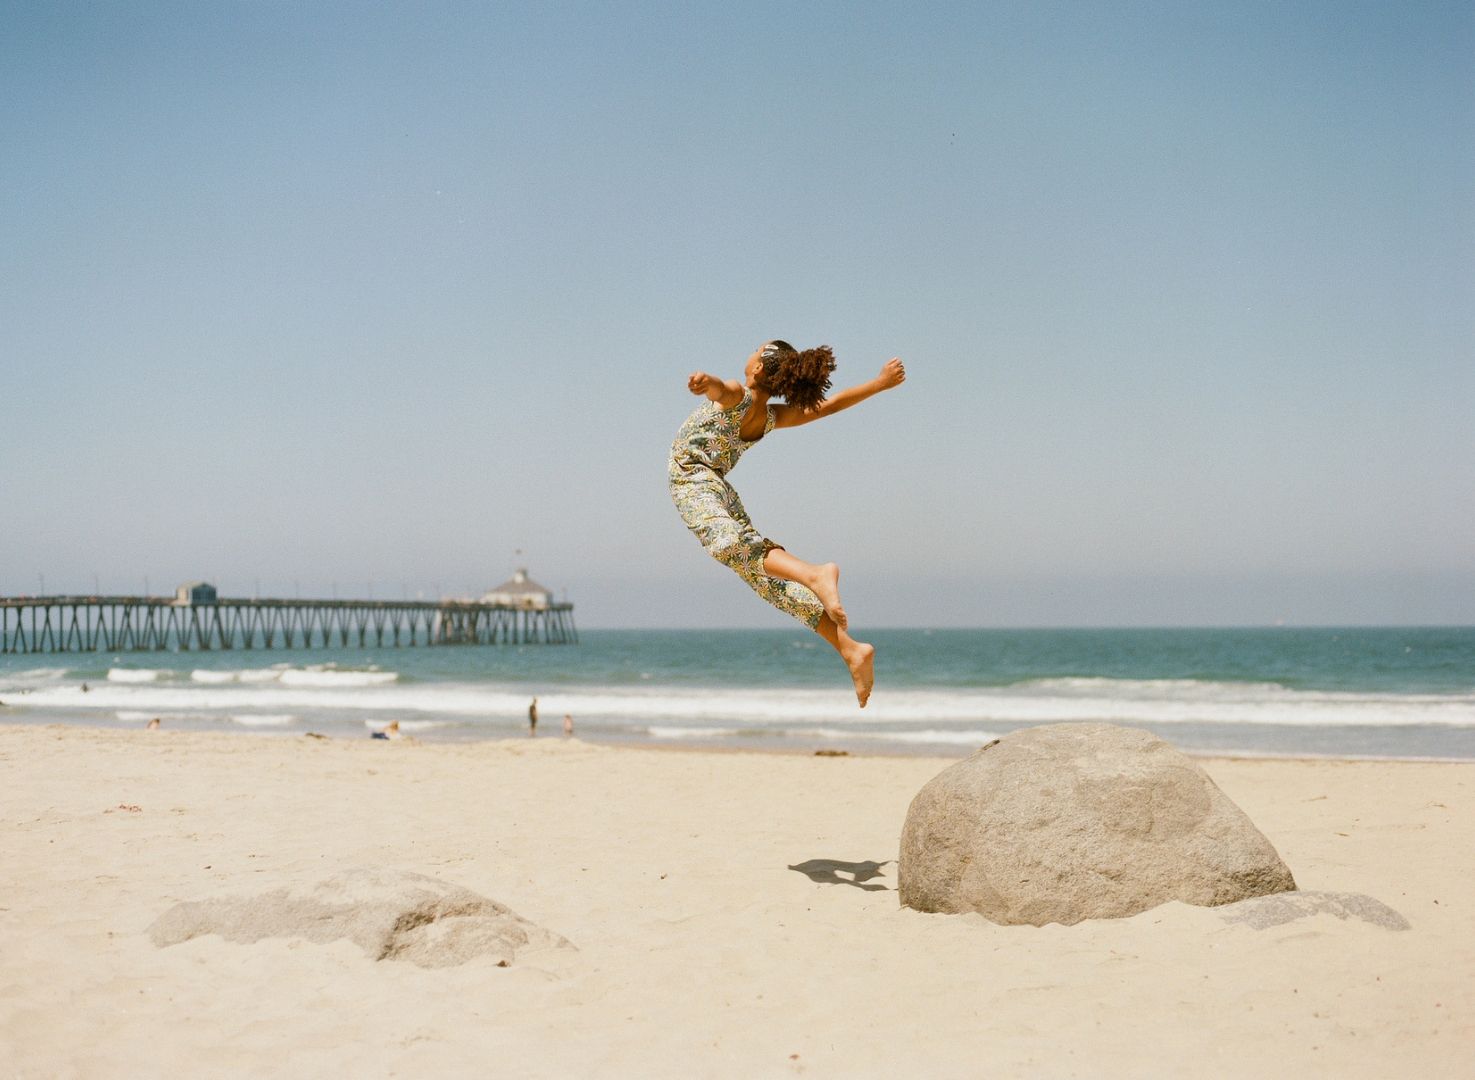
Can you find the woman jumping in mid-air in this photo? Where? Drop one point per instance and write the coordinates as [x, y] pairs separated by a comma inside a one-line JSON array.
[[709, 444]]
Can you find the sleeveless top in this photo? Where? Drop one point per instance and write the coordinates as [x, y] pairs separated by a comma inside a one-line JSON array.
[[709, 440]]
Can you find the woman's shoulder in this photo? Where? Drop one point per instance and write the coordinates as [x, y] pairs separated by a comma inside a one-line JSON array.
[[741, 403]]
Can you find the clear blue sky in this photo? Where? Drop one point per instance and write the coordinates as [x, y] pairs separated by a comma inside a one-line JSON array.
[[349, 294]]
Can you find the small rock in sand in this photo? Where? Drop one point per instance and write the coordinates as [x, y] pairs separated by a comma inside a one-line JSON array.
[[390, 915], [1264, 912]]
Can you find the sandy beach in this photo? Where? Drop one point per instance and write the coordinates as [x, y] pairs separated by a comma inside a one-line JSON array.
[[699, 950]]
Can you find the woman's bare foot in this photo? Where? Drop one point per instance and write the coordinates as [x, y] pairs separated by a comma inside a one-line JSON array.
[[862, 664], [859, 657], [826, 586]]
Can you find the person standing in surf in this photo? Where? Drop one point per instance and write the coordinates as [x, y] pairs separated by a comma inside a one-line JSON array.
[[735, 416]]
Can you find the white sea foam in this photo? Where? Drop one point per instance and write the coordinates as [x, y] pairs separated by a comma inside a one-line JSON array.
[[137, 675], [40, 674], [915, 735], [1117, 701], [661, 731], [313, 676], [214, 676], [245, 675], [1177, 689], [29, 679], [330, 678], [265, 719], [381, 723]]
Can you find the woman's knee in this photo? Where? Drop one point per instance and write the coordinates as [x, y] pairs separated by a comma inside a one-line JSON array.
[[733, 551], [790, 598]]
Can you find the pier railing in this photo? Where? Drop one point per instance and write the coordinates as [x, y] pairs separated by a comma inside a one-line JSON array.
[[38, 624]]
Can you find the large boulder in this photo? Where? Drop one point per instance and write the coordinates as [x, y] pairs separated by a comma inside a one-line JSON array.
[[390, 915], [1079, 821]]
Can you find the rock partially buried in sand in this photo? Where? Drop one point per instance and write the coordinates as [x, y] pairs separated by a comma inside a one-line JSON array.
[[1079, 821], [1264, 912], [391, 916]]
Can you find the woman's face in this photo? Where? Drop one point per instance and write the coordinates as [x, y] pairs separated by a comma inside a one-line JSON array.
[[753, 366]]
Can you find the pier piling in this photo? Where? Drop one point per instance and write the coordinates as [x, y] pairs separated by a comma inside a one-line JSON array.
[[59, 624]]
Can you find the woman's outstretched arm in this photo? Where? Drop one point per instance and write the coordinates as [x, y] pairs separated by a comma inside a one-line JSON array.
[[893, 373], [727, 394]]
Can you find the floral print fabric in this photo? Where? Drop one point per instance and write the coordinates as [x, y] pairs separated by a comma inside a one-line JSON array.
[[706, 448]]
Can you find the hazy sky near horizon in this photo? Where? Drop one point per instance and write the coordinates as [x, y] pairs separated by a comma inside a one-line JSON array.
[[337, 297]]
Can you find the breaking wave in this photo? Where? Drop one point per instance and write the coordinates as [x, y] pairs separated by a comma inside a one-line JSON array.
[[305, 691], [138, 675]]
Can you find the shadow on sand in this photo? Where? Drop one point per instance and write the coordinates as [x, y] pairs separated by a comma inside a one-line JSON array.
[[830, 871]]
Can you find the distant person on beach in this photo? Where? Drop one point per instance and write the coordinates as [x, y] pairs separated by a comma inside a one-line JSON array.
[[533, 717], [568, 725], [153, 725], [735, 416]]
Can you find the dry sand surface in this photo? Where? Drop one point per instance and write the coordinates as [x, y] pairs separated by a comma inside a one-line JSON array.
[[699, 951]]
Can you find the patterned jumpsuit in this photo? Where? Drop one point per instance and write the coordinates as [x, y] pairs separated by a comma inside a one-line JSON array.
[[706, 448]]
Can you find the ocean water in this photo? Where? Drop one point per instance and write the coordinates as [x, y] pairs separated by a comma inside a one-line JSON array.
[[1384, 692]]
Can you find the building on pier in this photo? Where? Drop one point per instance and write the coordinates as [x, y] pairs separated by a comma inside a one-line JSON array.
[[195, 594], [520, 591]]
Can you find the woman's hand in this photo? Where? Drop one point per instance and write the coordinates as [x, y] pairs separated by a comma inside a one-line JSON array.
[[726, 394], [893, 374]]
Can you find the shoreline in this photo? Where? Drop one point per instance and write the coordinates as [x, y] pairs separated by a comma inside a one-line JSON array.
[[830, 749], [1377, 695]]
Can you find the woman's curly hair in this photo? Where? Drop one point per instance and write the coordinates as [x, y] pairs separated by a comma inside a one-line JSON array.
[[800, 378]]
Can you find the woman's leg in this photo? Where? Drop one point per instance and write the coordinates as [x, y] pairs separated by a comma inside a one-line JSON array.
[[715, 514], [823, 580], [800, 601], [858, 656]]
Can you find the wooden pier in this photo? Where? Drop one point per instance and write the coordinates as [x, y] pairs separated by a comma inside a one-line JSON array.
[[56, 624]]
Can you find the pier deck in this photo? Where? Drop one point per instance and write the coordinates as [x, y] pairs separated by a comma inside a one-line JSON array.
[[46, 624]]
